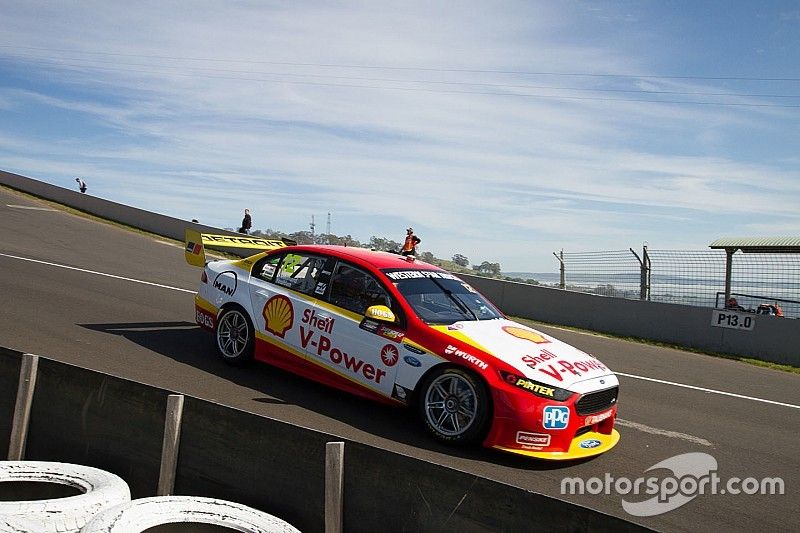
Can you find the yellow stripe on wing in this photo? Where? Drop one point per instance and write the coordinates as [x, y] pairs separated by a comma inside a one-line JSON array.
[[458, 334], [230, 241]]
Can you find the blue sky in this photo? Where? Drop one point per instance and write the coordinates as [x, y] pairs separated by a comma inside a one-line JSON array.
[[503, 131]]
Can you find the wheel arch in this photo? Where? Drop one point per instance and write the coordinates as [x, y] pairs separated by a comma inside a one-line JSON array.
[[233, 304]]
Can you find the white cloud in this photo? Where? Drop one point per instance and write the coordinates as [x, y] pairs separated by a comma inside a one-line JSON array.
[[197, 113]]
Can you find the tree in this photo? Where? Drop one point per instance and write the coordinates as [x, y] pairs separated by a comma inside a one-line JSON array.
[[460, 260], [427, 257], [384, 245], [302, 237], [345, 240], [487, 269]]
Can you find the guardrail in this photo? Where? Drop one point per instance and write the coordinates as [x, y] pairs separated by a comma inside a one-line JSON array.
[[89, 418], [770, 338]]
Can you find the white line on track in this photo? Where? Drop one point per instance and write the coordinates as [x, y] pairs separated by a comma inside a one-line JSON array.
[[97, 273], [712, 391], [32, 208], [632, 376], [662, 432]]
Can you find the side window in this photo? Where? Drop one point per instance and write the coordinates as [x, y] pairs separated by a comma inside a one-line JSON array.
[[299, 272], [356, 290], [266, 268]]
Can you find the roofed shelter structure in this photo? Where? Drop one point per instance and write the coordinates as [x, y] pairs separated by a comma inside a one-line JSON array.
[[752, 245]]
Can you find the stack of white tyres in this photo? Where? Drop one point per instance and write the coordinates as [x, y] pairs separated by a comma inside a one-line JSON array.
[[105, 505], [142, 514], [101, 490]]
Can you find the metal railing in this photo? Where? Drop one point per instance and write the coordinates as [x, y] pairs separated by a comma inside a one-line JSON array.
[[685, 277]]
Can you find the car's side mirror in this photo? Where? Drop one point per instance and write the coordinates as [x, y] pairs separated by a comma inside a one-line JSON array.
[[380, 313]]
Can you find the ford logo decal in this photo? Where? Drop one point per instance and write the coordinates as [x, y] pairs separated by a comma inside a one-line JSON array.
[[413, 361]]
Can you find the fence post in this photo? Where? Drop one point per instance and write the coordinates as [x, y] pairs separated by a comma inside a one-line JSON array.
[[563, 282], [644, 272], [22, 407], [334, 486], [169, 448], [728, 270]]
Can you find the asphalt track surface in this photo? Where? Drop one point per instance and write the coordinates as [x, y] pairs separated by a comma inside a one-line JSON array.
[[120, 302]]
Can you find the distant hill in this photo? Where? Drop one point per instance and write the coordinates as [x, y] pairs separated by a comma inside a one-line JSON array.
[[541, 277]]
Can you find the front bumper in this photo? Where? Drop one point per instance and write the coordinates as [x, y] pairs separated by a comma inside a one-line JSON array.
[[523, 424]]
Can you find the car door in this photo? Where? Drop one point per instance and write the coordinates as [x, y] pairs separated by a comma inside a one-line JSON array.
[[338, 334], [282, 293]]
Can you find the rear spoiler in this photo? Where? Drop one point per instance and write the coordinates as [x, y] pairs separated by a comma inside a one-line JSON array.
[[196, 243]]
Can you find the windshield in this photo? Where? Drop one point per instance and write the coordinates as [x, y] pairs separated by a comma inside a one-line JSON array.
[[441, 298]]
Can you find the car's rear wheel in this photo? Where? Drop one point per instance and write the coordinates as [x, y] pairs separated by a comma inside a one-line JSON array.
[[454, 405], [235, 336]]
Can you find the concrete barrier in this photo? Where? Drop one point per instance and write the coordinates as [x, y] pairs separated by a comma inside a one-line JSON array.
[[263, 463], [772, 339], [10, 362], [94, 419], [388, 488], [163, 225], [86, 417]]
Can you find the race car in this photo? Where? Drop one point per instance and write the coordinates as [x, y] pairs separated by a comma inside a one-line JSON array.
[[397, 330]]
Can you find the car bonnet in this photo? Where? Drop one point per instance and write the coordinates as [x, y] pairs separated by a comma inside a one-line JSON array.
[[536, 355]]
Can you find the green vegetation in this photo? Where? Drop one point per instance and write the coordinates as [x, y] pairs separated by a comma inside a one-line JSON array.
[[458, 264]]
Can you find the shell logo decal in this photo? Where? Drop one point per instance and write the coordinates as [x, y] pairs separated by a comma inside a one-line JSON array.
[[389, 355], [278, 315], [525, 334]]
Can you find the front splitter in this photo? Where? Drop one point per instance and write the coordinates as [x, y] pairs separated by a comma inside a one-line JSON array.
[[586, 445]]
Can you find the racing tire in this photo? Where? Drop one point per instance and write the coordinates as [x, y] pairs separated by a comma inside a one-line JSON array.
[[234, 336], [454, 405], [100, 490], [142, 514]]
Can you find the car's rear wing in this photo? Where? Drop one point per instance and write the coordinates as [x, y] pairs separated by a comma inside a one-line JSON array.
[[196, 243]]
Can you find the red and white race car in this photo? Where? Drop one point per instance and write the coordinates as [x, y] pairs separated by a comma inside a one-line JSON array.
[[401, 331]]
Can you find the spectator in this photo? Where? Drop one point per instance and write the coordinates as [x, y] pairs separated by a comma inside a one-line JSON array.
[[247, 222], [410, 245], [81, 184], [731, 303]]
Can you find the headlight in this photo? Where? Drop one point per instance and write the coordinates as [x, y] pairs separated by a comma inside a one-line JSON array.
[[534, 387]]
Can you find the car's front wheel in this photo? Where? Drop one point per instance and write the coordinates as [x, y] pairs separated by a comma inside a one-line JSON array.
[[235, 336], [454, 405]]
